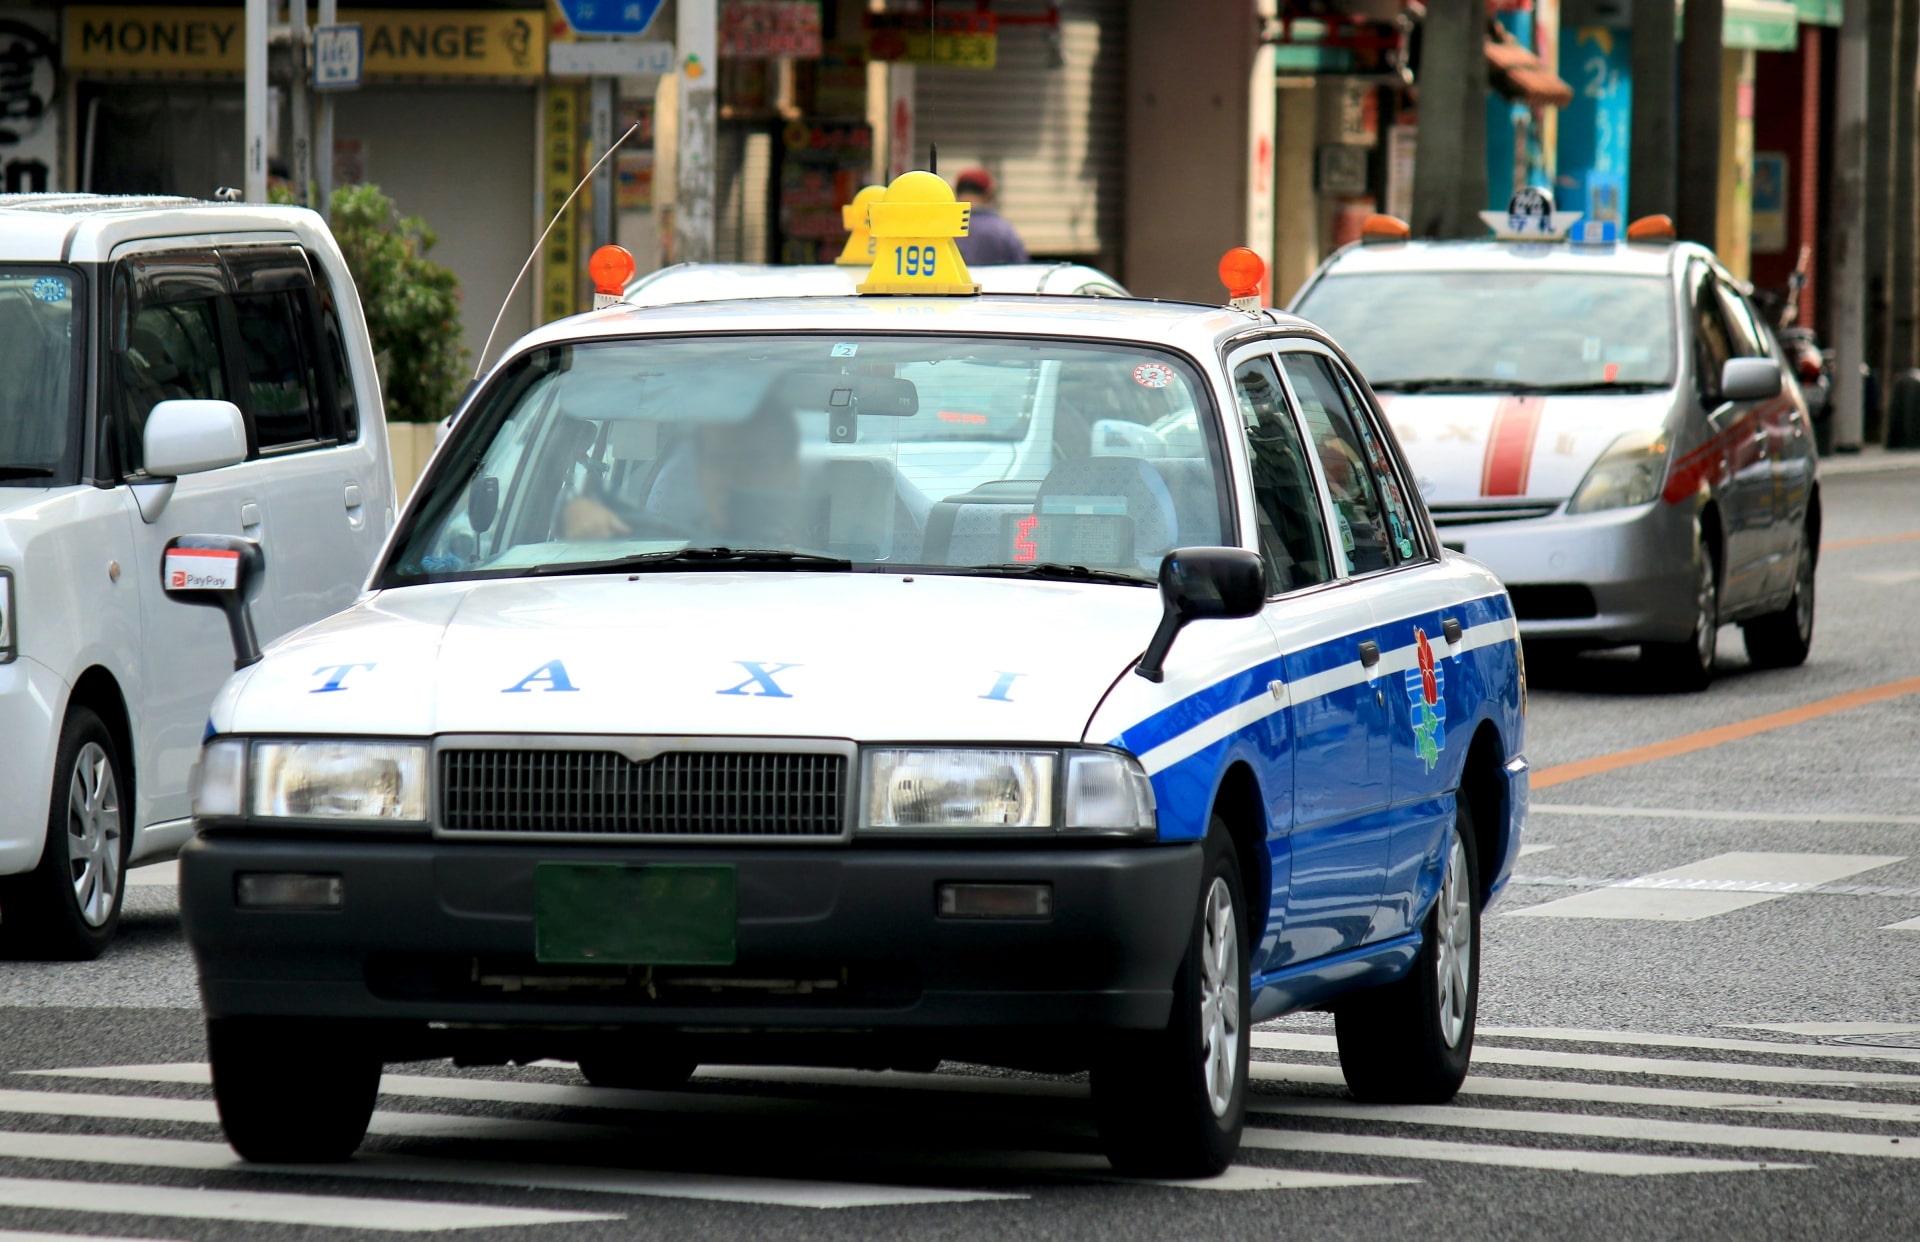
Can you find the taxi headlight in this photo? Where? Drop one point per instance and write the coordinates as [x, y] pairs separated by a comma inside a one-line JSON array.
[[924, 790], [1629, 473], [220, 780], [367, 782]]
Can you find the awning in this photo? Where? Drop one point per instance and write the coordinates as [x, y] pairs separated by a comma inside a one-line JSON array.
[[1518, 74], [1759, 25]]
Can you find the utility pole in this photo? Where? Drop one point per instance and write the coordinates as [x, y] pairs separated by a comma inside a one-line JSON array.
[[323, 129], [1902, 345], [697, 35], [601, 93], [1698, 192], [1450, 151], [1846, 279], [254, 107], [301, 166], [1882, 17], [1650, 188]]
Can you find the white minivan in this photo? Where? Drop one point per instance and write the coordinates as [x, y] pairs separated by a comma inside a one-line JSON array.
[[166, 366]]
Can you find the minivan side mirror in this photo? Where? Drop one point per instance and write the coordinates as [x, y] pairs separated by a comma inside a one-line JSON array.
[[1750, 379], [1202, 584], [190, 437], [218, 571]]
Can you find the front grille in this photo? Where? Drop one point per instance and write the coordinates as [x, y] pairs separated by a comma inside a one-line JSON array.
[[677, 794], [1554, 601], [1481, 511]]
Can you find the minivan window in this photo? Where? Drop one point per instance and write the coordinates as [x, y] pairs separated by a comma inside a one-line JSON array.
[[333, 342], [282, 389], [172, 353], [39, 390]]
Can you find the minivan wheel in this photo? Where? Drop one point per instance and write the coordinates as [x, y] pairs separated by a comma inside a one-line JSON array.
[[68, 907]]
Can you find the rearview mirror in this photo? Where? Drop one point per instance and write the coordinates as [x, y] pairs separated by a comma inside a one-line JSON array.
[[1202, 584], [1749, 379], [218, 571], [190, 437], [870, 395]]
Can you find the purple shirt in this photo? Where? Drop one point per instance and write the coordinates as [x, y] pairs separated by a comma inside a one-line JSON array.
[[991, 239]]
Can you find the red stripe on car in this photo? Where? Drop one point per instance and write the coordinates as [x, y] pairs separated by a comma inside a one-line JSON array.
[[1516, 423]]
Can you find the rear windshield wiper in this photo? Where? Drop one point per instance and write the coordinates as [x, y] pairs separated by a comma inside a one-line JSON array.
[[25, 472], [699, 558], [1052, 570]]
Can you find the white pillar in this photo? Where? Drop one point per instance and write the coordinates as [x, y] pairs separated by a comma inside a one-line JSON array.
[[1847, 279], [255, 149], [300, 167], [697, 42], [323, 128], [1261, 106], [601, 95]]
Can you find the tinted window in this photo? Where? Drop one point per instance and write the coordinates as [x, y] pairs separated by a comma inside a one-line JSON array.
[[172, 353], [1749, 336], [1712, 342], [282, 389], [1292, 531], [38, 311], [1375, 523], [1574, 329], [333, 344]]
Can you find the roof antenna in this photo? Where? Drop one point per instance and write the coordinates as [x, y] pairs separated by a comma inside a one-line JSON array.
[[933, 158], [480, 363]]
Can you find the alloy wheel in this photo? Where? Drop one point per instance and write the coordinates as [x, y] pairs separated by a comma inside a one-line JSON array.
[[1220, 997], [93, 834], [1454, 943]]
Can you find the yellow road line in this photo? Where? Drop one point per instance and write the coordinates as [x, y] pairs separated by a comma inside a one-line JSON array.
[[1561, 773], [1866, 541]]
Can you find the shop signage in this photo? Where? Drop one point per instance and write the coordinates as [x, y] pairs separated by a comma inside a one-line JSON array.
[[338, 56], [449, 43], [770, 29], [609, 58], [29, 147], [962, 41], [559, 170]]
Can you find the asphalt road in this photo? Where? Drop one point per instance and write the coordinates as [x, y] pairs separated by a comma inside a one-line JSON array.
[[1731, 1050]]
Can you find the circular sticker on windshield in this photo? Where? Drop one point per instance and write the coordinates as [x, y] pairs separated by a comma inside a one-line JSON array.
[[50, 289], [1153, 375]]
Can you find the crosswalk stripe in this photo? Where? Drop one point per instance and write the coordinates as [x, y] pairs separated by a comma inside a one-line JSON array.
[[1288, 1041], [1712, 886], [1616, 1164], [1644, 1039], [270, 1208], [218, 1157], [1615, 1093], [1584, 1125], [15, 1235]]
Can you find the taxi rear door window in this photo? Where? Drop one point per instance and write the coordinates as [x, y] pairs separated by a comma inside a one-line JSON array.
[[1375, 528], [1293, 536]]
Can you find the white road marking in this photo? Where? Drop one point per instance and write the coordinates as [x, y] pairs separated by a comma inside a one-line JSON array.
[[218, 1157], [1816, 1030], [1527, 850], [336, 1211], [158, 875], [1647, 1039], [1617, 1164], [1903, 925], [1584, 1125], [1712, 886], [1661, 1067], [1888, 577], [1735, 817], [1615, 1093], [14, 1235]]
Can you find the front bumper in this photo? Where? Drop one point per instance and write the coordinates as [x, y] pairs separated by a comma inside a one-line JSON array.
[[428, 931], [1637, 564], [32, 700]]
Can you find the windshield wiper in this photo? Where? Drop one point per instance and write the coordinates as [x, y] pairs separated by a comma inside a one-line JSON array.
[[25, 472], [1052, 570], [1445, 385], [698, 558]]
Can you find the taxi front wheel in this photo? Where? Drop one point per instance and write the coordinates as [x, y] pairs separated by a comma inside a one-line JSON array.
[[1172, 1103], [1410, 1042], [292, 1092]]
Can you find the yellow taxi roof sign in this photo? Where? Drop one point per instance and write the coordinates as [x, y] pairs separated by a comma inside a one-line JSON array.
[[914, 225], [853, 217]]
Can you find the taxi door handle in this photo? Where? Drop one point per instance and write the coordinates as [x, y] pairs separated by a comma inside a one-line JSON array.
[[1369, 653], [1451, 628]]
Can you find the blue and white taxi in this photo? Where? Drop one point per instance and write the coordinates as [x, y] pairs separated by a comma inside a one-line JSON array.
[[1607, 425], [679, 725]]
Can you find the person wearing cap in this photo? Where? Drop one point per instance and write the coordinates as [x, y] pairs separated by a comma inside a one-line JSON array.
[[991, 237]]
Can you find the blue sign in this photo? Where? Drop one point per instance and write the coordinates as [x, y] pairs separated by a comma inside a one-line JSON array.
[[610, 17], [1591, 176]]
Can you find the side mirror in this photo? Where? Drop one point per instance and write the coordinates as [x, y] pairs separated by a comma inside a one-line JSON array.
[[189, 437], [1750, 379], [1202, 584], [218, 571]]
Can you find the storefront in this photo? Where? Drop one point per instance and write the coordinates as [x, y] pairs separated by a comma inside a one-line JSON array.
[[153, 101]]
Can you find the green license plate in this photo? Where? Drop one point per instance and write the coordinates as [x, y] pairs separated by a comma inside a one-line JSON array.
[[661, 914]]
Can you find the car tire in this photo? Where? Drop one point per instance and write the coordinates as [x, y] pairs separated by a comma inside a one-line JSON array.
[[68, 907], [292, 1092], [1171, 1103], [639, 1071], [1687, 666], [1411, 1041], [1782, 639]]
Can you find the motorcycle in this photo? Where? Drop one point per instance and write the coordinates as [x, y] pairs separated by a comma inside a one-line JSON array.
[[1812, 365]]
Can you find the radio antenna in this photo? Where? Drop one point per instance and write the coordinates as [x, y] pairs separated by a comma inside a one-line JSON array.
[[480, 363], [933, 158]]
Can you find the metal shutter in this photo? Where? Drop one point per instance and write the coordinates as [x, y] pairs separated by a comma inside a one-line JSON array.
[[1053, 136]]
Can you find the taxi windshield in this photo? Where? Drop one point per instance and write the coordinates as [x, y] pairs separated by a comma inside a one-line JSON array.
[[983, 455], [37, 375], [1500, 331]]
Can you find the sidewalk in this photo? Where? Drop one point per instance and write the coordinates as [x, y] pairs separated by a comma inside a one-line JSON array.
[[1870, 459]]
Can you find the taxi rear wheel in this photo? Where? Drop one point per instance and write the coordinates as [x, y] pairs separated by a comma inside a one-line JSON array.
[[1782, 639], [1688, 665], [1410, 1042], [292, 1092], [1172, 1103]]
